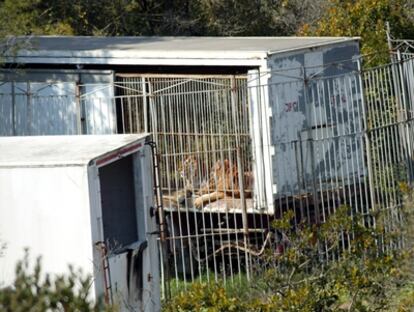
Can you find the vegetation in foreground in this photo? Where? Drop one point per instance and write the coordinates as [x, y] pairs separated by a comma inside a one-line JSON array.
[[342, 265], [31, 291]]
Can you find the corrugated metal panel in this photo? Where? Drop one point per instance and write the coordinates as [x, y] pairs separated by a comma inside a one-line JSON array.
[[45, 108], [99, 109], [6, 109], [308, 112], [50, 103]]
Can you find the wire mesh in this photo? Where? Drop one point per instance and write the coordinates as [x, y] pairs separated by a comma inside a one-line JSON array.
[[201, 127], [336, 141]]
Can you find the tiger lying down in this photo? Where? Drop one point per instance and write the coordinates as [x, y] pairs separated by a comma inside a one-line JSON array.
[[202, 187]]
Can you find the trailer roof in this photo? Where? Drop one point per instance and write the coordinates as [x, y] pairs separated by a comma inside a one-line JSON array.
[[162, 50], [67, 150]]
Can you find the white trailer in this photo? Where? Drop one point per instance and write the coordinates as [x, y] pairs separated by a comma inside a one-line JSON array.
[[104, 85], [83, 201]]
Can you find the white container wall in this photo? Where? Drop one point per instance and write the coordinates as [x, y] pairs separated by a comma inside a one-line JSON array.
[[36, 102], [313, 100], [83, 201]]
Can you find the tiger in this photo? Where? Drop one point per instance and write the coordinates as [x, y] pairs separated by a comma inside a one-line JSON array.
[[223, 183], [203, 186], [192, 175]]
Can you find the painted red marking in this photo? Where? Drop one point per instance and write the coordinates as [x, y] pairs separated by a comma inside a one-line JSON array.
[[291, 106]]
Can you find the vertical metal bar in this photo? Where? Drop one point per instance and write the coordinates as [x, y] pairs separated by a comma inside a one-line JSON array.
[[371, 119], [399, 148], [302, 183], [366, 136], [353, 141], [145, 103], [400, 98], [185, 133], [310, 144], [231, 140], [346, 183], [122, 115], [241, 176], [195, 115], [341, 138], [404, 108], [202, 152], [297, 147], [320, 141], [332, 161], [361, 173], [336, 196], [161, 214], [168, 127], [206, 145], [129, 110], [176, 115], [153, 112], [330, 191], [404, 117], [390, 151], [224, 123], [245, 109], [384, 109], [410, 85], [220, 104], [79, 117]]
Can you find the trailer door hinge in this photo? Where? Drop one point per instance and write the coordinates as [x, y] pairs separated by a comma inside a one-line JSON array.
[[152, 211]]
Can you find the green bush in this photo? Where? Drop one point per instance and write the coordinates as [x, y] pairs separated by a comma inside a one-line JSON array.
[[341, 265], [204, 297], [33, 291]]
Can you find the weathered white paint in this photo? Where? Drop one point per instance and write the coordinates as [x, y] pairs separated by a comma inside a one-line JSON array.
[[257, 149], [187, 51], [45, 108], [46, 210], [50, 103], [42, 151], [298, 111], [151, 274], [100, 111], [6, 109], [50, 203]]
